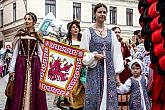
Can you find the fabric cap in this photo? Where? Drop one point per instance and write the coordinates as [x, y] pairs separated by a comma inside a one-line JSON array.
[[138, 61]]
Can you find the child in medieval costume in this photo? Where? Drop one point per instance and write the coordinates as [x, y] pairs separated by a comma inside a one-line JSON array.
[[137, 86]]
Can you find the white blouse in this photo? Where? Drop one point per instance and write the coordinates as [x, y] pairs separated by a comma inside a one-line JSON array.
[[115, 47], [75, 43]]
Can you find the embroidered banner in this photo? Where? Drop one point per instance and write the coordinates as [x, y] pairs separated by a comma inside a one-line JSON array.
[[60, 69]]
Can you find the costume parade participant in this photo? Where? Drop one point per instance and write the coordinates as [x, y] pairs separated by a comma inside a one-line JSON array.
[[76, 101], [137, 86], [105, 62], [2, 60], [8, 55], [125, 52], [123, 98], [25, 69]]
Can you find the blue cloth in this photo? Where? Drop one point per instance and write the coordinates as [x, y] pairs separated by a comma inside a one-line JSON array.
[[135, 97], [95, 76]]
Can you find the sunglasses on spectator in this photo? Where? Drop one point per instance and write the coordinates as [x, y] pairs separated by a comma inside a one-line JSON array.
[[117, 32]]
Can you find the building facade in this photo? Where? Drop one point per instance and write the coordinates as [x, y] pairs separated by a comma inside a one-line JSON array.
[[122, 13]]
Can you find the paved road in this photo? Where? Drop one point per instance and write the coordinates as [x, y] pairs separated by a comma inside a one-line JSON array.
[[3, 82]]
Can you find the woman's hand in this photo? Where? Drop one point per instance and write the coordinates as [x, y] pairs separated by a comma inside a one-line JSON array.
[[99, 56], [118, 82], [11, 75]]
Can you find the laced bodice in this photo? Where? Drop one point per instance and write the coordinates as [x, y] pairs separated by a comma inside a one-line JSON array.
[[28, 46]]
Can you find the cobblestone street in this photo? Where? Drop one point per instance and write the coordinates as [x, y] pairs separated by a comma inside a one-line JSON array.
[[3, 82]]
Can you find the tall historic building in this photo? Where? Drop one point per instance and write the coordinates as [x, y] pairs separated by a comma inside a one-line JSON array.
[[122, 13]]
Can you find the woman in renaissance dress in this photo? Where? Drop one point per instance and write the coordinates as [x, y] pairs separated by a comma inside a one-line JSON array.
[[76, 101], [25, 69]]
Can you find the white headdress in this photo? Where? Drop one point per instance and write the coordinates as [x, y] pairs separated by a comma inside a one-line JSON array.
[[138, 61]]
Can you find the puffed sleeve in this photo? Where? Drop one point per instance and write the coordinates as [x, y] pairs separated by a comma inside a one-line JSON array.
[[124, 88], [116, 54], [13, 59], [40, 51], [85, 40], [88, 59]]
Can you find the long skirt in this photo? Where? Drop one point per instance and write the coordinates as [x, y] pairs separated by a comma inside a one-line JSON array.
[[37, 97]]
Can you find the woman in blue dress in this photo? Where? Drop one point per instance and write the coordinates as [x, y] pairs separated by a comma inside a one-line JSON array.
[[105, 62]]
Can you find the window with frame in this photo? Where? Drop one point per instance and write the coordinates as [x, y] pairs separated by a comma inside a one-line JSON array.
[[1, 18], [50, 6], [14, 12], [113, 15], [93, 16], [129, 17], [76, 11]]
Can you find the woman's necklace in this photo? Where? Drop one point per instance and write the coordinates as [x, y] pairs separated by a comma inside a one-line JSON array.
[[101, 30]]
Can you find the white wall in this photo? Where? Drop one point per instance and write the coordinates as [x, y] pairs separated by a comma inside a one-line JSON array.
[[37, 7]]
